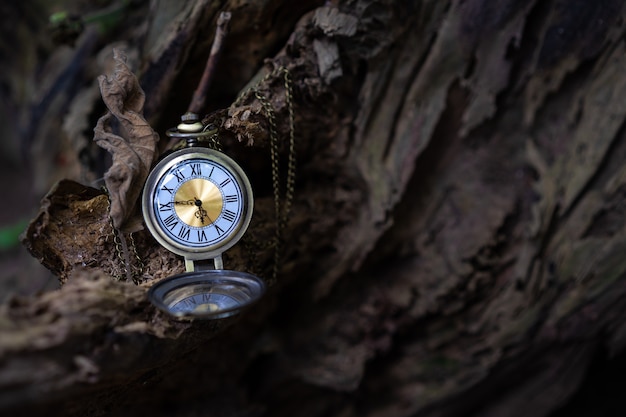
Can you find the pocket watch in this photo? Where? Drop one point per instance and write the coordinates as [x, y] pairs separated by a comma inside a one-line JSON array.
[[197, 202]]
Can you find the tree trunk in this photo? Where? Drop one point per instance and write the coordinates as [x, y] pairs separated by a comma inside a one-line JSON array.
[[456, 241]]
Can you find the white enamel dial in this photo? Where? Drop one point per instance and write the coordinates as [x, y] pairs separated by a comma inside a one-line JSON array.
[[197, 202]]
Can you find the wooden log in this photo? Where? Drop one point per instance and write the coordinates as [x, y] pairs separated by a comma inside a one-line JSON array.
[[456, 244]]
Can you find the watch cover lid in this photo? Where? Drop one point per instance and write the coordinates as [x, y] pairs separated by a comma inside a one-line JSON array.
[[209, 294]]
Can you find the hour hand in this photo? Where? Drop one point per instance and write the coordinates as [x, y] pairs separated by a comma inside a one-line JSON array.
[[185, 203]]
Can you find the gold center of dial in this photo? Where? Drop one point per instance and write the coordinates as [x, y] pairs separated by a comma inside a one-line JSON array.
[[198, 202]]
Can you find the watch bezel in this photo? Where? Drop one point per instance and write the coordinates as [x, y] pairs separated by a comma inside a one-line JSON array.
[[149, 194]]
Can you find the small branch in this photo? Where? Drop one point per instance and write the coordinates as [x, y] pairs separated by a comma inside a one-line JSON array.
[[199, 96]]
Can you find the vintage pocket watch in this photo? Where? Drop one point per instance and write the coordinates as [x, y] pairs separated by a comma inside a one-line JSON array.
[[197, 202]]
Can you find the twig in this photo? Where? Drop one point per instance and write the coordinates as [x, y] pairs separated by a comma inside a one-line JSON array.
[[199, 96]]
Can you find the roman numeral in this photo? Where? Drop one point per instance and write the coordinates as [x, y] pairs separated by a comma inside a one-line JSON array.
[[191, 302], [201, 236], [183, 233], [225, 182], [229, 215], [165, 207], [211, 173], [230, 199], [219, 231], [196, 169], [170, 222], [179, 176], [169, 190]]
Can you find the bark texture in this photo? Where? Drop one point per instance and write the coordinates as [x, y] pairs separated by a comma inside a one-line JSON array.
[[457, 237]]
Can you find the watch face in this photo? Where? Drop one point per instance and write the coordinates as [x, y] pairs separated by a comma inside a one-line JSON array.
[[197, 201]]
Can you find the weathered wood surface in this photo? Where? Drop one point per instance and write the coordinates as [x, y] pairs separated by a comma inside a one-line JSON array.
[[457, 240]]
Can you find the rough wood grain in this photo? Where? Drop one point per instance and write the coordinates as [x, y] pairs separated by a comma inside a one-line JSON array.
[[457, 241]]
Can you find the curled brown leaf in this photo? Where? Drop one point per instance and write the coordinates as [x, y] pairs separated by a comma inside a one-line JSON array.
[[125, 133]]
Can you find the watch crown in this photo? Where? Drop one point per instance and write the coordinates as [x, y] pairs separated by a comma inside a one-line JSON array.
[[190, 117]]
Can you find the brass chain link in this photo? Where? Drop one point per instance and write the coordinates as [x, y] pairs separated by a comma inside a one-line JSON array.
[[214, 139], [281, 214], [136, 271]]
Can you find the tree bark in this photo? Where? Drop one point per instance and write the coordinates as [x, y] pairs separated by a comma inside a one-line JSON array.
[[457, 237]]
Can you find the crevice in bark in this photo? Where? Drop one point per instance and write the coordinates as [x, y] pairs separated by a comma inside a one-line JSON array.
[[414, 73]]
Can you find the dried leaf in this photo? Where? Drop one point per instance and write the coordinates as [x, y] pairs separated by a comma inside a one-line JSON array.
[[126, 134]]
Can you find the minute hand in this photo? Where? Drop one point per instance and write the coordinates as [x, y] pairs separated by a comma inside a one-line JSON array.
[[201, 214]]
